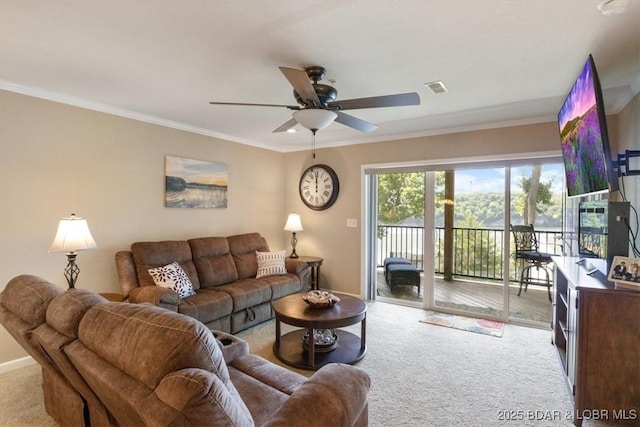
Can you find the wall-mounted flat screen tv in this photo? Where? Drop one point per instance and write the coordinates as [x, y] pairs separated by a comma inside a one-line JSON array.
[[584, 138]]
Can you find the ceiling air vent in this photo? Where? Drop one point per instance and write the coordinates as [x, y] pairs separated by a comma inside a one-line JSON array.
[[436, 87]]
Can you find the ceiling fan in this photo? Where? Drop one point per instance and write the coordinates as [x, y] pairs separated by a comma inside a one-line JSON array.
[[317, 106]]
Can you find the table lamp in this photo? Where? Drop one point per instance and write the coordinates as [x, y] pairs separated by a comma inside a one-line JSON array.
[[73, 235], [293, 225]]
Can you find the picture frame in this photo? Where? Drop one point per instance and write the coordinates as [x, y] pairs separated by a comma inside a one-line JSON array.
[[193, 183], [625, 272]]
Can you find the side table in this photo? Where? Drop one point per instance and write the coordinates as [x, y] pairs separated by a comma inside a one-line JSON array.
[[314, 263], [293, 311], [113, 297]]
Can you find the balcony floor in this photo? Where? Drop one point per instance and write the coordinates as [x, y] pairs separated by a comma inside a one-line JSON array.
[[481, 297]]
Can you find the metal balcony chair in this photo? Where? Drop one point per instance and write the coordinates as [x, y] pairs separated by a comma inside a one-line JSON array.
[[528, 253]]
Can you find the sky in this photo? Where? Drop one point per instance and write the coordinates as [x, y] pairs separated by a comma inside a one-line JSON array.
[[197, 170], [492, 180]]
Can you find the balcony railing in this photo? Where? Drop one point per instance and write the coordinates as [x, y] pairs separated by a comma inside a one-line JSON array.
[[477, 252]]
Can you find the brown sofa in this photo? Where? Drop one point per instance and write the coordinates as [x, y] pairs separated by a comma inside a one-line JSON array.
[[228, 297], [144, 365]]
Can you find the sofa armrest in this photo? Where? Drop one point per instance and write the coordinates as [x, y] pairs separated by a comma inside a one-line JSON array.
[[156, 295], [300, 269], [295, 266], [336, 392], [127, 274], [232, 347]]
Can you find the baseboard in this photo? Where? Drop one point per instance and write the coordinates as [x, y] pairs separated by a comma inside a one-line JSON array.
[[16, 364]]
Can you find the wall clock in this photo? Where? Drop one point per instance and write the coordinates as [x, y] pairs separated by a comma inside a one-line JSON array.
[[319, 187]]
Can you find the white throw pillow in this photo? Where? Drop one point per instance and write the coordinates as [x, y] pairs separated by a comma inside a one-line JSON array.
[[172, 276], [270, 263]]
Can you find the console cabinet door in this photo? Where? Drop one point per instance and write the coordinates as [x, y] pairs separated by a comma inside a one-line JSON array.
[[608, 371]]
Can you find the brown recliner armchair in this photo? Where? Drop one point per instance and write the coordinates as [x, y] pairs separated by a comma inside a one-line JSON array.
[[23, 305], [151, 366]]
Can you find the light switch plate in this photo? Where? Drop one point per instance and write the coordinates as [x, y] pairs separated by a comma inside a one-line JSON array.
[[352, 223]]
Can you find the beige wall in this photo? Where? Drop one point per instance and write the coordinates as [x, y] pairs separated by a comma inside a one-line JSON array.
[[57, 159]]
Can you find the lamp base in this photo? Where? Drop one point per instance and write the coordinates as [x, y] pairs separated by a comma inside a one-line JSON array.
[[294, 242], [72, 270]]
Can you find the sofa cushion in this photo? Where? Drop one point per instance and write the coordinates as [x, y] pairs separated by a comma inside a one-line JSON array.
[[148, 255], [172, 276], [140, 331], [283, 285], [243, 248], [213, 261], [27, 297], [270, 264], [207, 305], [247, 293], [275, 376], [258, 380], [66, 310]]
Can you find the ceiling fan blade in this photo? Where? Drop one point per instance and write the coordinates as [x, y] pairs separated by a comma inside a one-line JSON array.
[[355, 122], [288, 125], [291, 107], [376, 101], [302, 85]]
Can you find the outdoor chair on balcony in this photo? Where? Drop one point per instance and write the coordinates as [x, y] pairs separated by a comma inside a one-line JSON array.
[[531, 258]]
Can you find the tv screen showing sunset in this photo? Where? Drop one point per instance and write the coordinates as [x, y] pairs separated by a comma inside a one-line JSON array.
[[581, 137]]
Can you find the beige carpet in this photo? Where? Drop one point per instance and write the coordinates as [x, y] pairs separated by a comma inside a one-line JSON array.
[[422, 375], [21, 400]]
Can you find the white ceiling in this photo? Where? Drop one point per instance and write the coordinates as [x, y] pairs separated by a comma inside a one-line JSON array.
[[504, 62]]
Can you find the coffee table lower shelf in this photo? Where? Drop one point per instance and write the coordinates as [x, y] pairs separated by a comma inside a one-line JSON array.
[[349, 350]]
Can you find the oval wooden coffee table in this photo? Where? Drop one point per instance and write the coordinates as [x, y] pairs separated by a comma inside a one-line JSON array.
[[293, 311]]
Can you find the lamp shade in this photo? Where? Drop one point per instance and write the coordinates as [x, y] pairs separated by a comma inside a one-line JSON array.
[[315, 119], [293, 223], [73, 235]]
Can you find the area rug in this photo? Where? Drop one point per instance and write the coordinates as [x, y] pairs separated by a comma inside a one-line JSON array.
[[479, 326]]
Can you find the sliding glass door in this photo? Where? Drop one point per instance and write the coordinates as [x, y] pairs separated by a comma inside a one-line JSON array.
[[450, 227], [469, 241], [537, 198], [400, 236]]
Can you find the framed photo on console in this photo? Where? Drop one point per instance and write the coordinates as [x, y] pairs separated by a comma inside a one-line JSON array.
[[625, 272]]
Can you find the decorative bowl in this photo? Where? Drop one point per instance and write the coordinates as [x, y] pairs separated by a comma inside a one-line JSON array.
[[325, 340], [320, 299]]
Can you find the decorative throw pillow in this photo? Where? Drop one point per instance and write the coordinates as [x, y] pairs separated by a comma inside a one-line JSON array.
[[173, 276], [270, 263]]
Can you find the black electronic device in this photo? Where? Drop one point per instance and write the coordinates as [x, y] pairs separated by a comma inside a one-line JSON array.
[[602, 232]]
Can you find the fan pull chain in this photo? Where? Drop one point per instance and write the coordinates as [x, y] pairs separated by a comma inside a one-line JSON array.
[[313, 145]]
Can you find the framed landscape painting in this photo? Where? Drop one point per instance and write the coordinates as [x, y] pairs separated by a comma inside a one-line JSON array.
[[195, 183]]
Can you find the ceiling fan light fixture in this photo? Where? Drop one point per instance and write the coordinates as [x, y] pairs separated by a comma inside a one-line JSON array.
[[315, 119]]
